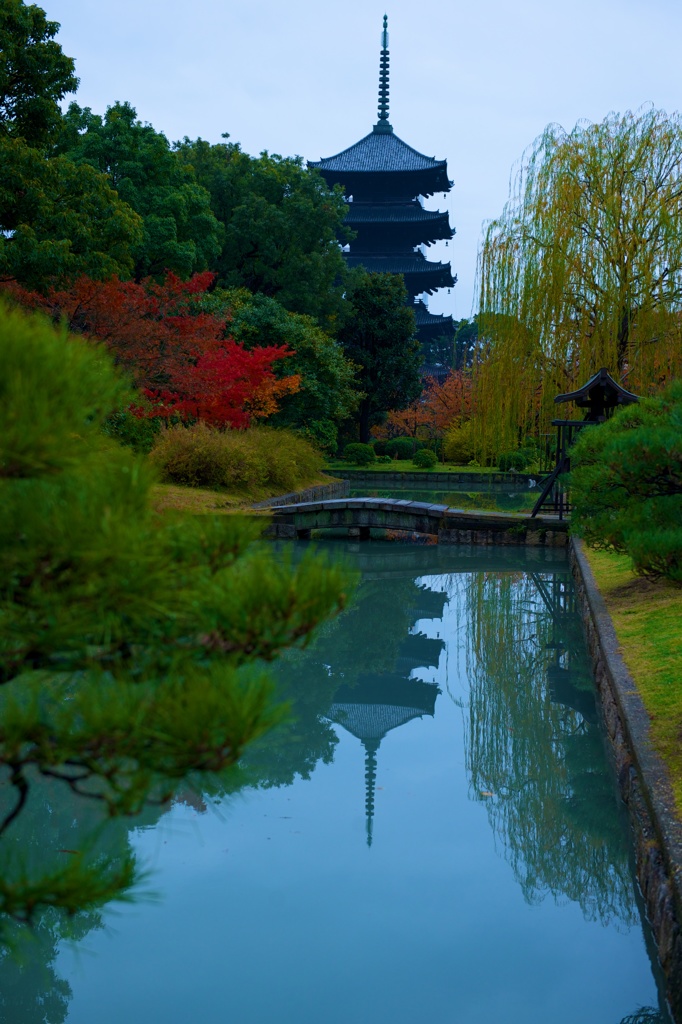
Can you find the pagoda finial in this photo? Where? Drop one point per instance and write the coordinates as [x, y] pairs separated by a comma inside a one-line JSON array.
[[383, 124]]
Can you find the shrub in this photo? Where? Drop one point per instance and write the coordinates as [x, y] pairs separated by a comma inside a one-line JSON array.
[[380, 447], [136, 432], [514, 461], [359, 454], [242, 460], [626, 484], [458, 445], [425, 459], [384, 459], [401, 447]]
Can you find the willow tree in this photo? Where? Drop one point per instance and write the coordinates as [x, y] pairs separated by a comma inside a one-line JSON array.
[[582, 270]]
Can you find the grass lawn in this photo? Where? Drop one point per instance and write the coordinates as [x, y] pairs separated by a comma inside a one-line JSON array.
[[648, 620], [200, 500], [404, 466]]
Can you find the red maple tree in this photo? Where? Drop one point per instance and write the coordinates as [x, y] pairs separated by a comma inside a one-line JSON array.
[[180, 357]]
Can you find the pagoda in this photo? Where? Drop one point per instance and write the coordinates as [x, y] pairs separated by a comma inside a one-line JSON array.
[[385, 181]]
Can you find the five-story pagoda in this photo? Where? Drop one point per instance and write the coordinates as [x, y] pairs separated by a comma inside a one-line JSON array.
[[384, 180]]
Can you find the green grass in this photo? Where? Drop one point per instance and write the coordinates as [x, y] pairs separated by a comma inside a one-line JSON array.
[[202, 500], [403, 466], [648, 620]]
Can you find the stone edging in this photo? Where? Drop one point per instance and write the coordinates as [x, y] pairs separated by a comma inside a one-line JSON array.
[[642, 778], [322, 492]]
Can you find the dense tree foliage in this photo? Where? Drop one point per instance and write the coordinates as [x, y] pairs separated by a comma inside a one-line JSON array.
[[180, 232], [378, 334], [441, 405], [59, 221], [34, 74], [281, 225], [129, 645], [626, 484], [178, 355], [583, 269], [328, 392]]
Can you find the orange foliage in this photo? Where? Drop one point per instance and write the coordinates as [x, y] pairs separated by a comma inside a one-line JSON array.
[[440, 405]]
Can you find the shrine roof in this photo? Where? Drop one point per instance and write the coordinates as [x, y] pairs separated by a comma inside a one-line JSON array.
[[379, 151], [601, 381]]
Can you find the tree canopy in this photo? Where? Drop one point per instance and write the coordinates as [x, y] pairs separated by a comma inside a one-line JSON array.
[[59, 221], [180, 232], [282, 225], [583, 269], [34, 74], [328, 392], [378, 334]]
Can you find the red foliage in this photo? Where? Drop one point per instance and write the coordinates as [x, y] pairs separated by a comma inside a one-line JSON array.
[[228, 386], [179, 356]]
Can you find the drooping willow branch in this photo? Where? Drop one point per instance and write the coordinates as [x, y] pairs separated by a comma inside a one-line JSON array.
[[582, 270]]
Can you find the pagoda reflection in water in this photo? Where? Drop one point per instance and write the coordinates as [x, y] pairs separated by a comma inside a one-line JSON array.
[[377, 704]]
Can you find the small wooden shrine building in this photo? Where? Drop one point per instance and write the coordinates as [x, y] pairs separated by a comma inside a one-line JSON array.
[[599, 397], [383, 179]]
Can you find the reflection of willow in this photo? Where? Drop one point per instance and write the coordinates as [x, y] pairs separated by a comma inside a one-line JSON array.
[[533, 750]]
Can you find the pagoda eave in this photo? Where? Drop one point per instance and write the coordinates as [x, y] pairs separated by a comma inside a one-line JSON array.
[[389, 183]]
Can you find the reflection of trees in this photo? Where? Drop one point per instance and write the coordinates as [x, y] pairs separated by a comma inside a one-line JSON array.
[[532, 750]]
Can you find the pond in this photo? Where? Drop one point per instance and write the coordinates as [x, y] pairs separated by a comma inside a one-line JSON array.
[[435, 834], [517, 497]]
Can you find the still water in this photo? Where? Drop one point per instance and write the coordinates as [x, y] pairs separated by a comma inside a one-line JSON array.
[[496, 498], [434, 836]]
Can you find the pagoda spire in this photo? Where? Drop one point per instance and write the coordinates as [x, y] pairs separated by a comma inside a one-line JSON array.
[[371, 748], [383, 125]]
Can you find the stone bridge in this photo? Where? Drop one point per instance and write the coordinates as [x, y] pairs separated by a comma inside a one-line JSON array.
[[358, 516]]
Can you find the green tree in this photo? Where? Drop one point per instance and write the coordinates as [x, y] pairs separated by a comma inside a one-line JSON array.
[[131, 646], [329, 391], [583, 269], [34, 74], [626, 484], [378, 334], [281, 222], [59, 221], [180, 232]]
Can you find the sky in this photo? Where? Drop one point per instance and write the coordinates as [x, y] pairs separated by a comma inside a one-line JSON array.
[[472, 83]]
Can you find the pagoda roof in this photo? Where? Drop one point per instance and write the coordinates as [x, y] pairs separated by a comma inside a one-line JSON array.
[[379, 151], [415, 264], [384, 213], [425, 319]]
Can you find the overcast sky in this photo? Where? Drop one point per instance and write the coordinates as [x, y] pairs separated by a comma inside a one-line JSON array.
[[473, 83]]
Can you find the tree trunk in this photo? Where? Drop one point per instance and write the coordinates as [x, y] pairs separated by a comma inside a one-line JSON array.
[[364, 421]]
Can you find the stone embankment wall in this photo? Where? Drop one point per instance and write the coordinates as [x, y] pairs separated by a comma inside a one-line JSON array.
[[642, 778]]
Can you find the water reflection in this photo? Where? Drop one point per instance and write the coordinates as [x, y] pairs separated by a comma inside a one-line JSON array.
[[533, 749], [513, 659]]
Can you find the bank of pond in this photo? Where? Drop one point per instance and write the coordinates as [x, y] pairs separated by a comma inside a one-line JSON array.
[[434, 833]]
